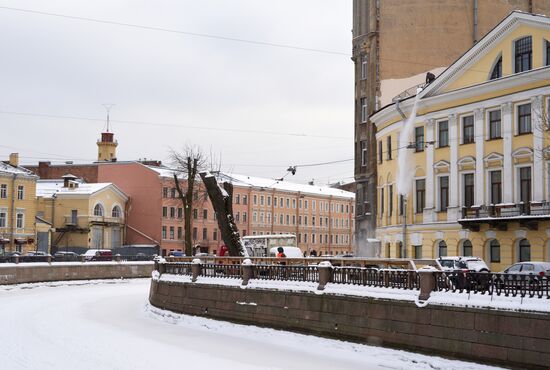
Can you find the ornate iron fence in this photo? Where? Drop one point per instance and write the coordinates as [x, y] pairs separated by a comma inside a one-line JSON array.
[[221, 270], [178, 268], [494, 284]]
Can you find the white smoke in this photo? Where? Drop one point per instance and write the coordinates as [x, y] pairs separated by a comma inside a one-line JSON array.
[[405, 164]]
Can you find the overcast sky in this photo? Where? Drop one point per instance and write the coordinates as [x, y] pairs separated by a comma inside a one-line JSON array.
[[190, 90]]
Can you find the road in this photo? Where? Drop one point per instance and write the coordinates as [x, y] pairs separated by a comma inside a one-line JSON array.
[[110, 325]]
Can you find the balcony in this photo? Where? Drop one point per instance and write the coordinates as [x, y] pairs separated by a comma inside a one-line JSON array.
[[500, 215], [82, 223]]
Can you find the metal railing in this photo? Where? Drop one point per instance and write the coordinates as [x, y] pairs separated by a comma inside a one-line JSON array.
[[71, 258], [507, 210], [508, 285]]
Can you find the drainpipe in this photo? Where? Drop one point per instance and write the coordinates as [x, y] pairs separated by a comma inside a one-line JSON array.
[[12, 212], [475, 22], [403, 242], [399, 109]]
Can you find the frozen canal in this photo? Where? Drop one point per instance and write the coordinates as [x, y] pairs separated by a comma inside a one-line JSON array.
[[109, 325]]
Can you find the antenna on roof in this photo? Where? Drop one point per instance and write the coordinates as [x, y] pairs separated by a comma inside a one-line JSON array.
[[108, 109]]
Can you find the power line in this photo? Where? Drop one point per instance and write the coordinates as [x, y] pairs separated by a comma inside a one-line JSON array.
[[209, 128], [161, 29]]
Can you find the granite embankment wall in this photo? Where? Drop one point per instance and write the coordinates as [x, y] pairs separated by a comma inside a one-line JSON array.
[[40, 272], [501, 337]]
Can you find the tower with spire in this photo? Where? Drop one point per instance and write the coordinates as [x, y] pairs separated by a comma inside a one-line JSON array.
[[106, 147]]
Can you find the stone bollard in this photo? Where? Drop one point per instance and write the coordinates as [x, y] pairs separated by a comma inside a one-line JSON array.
[[49, 259], [118, 257], [248, 271], [195, 269], [427, 282], [325, 274], [82, 258], [16, 259]]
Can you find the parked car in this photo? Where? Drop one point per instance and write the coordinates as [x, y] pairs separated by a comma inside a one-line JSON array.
[[37, 253], [524, 276], [65, 256], [528, 268], [98, 255], [462, 263]]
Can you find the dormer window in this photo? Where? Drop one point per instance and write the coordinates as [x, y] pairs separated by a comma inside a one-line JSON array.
[[98, 210], [524, 54], [497, 69], [116, 212]]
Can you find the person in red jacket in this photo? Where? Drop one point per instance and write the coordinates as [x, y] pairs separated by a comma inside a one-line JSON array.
[[223, 251]]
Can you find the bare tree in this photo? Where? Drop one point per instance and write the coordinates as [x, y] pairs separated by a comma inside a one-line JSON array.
[[187, 165]]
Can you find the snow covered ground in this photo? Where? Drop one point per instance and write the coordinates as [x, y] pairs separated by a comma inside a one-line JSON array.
[[110, 325]]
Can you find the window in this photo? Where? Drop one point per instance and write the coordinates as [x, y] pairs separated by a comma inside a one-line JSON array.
[[238, 199], [293, 219], [180, 212], [195, 233], [494, 124], [215, 235], [495, 179], [306, 204], [443, 193], [3, 218], [467, 249], [98, 210], [172, 232], [255, 199], [364, 112], [468, 189], [443, 134], [417, 251], [164, 212], [420, 195], [180, 232], [204, 233], [524, 119], [245, 200], [363, 144], [497, 70], [173, 190], [195, 214], [388, 147], [287, 219], [390, 201], [269, 201], [380, 154], [254, 217], [494, 250], [524, 250], [205, 214], [19, 221], [300, 204], [3, 191], [364, 67], [312, 220], [287, 202], [523, 53], [442, 249], [294, 203], [165, 192], [116, 212], [468, 130], [244, 216], [525, 184], [172, 212], [305, 220], [20, 192], [381, 202], [164, 232], [262, 200], [281, 221], [419, 139]]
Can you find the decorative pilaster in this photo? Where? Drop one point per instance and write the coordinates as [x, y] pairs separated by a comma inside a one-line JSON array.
[[429, 214], [479, 140], [507, 135], [453, 211], [538, 132]]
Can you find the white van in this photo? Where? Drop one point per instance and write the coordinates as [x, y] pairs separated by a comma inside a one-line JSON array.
[[290, 252]]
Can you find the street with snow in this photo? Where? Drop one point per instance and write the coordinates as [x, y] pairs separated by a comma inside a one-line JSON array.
[[110, 325]]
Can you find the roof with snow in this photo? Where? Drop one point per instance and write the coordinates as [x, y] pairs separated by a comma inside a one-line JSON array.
[[8, 169], [47, 188], [264, 183], [164, 171]]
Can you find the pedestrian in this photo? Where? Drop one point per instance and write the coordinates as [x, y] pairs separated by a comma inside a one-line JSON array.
[[223, 251], [197, 249], [280, 255]]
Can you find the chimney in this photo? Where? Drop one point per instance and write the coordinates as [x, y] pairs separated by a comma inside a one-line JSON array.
[[14, 159]]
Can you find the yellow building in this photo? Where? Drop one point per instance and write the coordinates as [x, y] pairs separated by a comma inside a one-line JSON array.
[[82, 215], [17, 207], [475, 162]]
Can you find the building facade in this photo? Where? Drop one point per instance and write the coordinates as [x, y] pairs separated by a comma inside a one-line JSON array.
[[17, 207], [474, 164], [395, 43], [82, 216]]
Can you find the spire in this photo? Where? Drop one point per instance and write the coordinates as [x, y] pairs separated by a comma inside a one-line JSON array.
[[106, 146]]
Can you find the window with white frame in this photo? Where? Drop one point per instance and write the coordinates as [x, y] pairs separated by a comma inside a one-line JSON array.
[[468, 134], [20, 220], [524, 119], [494, 124], [20, 192], [443, 193], [3, 218], [523, 49], [364, 67], [497, 69], [98, 210], [364, 111], [363, 144], [116, 212], [443, 134], [3, 191]]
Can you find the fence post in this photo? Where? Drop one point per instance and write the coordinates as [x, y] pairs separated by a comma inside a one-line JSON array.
[[325, 274], [16, 259], [82, 258], [427, 283], [118, 257], [248, 271], [161, 267], [195, 269]]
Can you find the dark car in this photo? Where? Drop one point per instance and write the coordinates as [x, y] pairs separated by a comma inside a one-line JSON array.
[[63, 256]]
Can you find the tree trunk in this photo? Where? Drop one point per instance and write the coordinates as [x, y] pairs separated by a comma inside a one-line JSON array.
[[187, 201], [222, 201]]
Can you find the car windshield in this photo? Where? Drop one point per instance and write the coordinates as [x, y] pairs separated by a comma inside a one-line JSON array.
[[447, 263]]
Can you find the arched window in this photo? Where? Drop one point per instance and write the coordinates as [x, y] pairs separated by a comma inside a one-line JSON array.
[[524, 250], [98, 210], [497, 69], [523, 54], [494, 251], [442, 249], [116, 212], [467, 249]]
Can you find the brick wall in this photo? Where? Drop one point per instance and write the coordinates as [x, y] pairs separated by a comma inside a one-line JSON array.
[[507, 338]]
